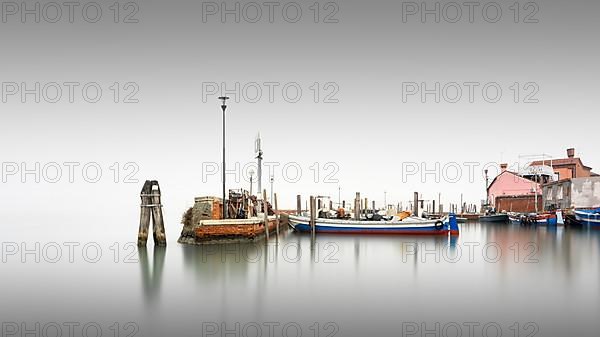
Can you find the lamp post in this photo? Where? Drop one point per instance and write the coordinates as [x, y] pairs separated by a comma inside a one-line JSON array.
[[272, 180], [224, 107], [487, 196]]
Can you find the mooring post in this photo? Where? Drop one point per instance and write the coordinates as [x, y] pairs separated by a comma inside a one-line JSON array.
[[373, 207], [144, 213], [158, 224], [357, 202], [416, 204], [266, 213], [276, 213], [312, 215], [298, 205], [151, 207], [366, 207]]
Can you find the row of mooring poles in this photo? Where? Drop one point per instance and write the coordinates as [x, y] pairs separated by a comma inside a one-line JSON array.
[[266, 214], [151, 207], [312, 208]]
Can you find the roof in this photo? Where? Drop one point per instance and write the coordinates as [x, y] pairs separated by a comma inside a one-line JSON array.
[[503, 172], [560, 162]]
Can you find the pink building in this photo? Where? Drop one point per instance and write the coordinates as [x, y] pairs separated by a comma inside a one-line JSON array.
[[510, 186]]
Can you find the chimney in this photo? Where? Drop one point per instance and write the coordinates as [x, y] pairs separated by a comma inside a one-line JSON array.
[[571, 153], [503, 167]]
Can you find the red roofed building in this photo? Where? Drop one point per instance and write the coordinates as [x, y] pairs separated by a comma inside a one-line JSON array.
[[567, 168]]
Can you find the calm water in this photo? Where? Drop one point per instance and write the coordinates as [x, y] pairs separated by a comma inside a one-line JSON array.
[[493, 280]]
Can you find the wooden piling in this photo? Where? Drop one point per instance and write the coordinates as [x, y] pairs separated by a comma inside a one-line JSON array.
[[357, 202], [266, 213], [158, 224], [298, 205], [151, 208], [312, 215], [416, 204], [276, 213], [144, 216], [373, 207]]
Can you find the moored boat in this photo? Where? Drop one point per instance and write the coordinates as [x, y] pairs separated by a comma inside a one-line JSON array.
[[543, 219], [588, 217], [500, 217], [407, 226]]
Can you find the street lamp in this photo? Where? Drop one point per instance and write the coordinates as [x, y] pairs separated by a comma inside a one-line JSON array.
[[487, 196], [272, 180], [224, 107]]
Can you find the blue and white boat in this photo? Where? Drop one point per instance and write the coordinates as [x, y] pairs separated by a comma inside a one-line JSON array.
[[543, 219], [590, 217], [395, 226]]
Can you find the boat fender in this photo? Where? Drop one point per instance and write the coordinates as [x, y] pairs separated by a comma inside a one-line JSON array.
[[438, 224]]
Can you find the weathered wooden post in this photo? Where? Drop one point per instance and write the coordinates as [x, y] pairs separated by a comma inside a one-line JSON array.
[[276, 214], [416, 204], [158, 223], [357, 202], [266, 213], [144, 213], [366, 207], [373, 207], [298, 204], [151, 207], [312, 215]]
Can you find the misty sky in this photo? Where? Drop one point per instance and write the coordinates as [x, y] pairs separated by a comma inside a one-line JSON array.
[[360, 62]]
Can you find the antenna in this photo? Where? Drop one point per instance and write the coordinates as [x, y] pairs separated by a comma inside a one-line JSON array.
[[259, 153], [257, 144]]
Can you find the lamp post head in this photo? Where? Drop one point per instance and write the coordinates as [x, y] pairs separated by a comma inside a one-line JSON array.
[[224, 99]]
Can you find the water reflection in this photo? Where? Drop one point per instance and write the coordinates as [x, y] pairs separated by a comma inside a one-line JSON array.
[[152, 277]]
